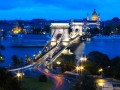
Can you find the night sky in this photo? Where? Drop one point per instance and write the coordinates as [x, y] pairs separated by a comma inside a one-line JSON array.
[[58, 9]]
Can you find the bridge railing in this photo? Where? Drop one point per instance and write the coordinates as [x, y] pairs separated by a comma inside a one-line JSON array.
[[21, 68], [57, 54], [54, 47]]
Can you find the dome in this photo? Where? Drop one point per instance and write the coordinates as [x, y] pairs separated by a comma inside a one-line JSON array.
[[94, 15]]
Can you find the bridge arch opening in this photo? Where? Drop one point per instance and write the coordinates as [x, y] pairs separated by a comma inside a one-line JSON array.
[[58, 36]]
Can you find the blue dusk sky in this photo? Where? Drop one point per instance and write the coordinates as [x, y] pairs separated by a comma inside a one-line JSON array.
[[58, 9]]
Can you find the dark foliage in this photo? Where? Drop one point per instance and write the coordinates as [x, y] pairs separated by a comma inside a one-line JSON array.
[[47, 29], [8, 81], [94, 31], [43, 78], [17, 61], [102, 60], [84, 83], [37, 31], [67, 62], [115, 67]]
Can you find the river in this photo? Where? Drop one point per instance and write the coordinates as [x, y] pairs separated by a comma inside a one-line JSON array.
[[109, 47], [19, 51]]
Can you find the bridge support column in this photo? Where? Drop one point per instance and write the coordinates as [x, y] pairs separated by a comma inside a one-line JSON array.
[[77, 28], [53, 36], [73, 33], [65, 40], [80, 31]]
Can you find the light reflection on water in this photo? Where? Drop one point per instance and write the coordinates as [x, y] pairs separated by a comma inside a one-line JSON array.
[[109, 47]]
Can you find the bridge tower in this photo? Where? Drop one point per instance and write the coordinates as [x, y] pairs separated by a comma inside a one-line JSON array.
[[77, 28], [59, 32]]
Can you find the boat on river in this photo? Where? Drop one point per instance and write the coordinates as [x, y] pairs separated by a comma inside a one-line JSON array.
[[28, 40]]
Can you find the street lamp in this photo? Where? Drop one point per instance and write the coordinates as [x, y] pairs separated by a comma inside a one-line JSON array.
[[1, 58], [83, 59], [34, 55], [79, 64], [81, 68], [100, 70], [58, 62], [19, 75], [77, 69]]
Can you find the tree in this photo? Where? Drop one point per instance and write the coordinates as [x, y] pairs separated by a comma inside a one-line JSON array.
[[118, 29], [115, 67], [67, 62], [91, 68], [96, 60], [108, 29], [37, 31], [84, 83], [27, 59], [43, 78], [47, 28], [99, 58], [17, 61], [94, 31], [8, 81], [2, 47]]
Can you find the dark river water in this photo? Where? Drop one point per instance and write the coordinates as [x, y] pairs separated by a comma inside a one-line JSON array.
[[109, 47], [19, 51]]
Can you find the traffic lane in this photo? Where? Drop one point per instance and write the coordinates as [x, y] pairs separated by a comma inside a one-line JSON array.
[[58, 81]]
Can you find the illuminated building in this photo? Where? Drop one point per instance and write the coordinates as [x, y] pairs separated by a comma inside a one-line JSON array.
[[16, 30], [95, 16]]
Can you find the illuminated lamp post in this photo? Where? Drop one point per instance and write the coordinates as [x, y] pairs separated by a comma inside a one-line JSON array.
[[80, 63], [100, 71], [19, 75], [58, 62], [1, 58]]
